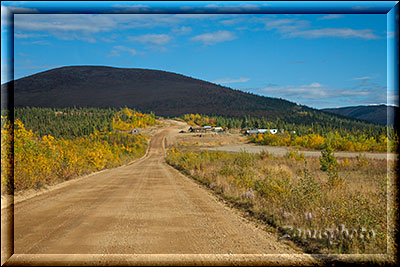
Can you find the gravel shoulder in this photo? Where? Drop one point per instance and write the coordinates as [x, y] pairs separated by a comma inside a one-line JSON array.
[[281, 151]]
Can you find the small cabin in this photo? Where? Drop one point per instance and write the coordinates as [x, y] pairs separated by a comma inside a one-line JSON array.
[[244, 131], [218, 129], [252, 131], [207, 128], [273, 131], [197, 130], [247, 131]]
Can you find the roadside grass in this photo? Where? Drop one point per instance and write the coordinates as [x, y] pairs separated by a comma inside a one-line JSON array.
[[294, 195]]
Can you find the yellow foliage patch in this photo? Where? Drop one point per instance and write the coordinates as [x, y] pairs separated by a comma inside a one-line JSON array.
[[38, 161], [337, 142]]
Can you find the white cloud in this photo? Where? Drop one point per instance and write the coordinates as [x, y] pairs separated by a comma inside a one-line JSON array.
[[85, 26], [233, 8], [39, 42], [54, 23], [291, 28], [331, 16], [130, 8], [61, 25], [215, 37], [241, 28], [334, 32], [285, 25], [28, 35], [118, 48], [110, 38], [229, 80], [230, 22], [361, 78], [107, 40], [314, 85], [390, 35], [252, 7], [200, 16], [113, 53], [365, 83], [23, 55], [313, 91], [392, 98], [124, 48], [353, 93], [24, 10], [304, 91], [182, 30], [155, 39]]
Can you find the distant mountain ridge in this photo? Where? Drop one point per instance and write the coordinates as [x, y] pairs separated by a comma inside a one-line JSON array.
[[378, 114], [164, 93]]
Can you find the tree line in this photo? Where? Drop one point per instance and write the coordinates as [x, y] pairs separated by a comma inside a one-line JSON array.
[[76, 122], [342, 133]]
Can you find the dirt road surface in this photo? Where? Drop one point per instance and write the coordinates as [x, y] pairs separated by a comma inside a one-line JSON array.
[[281, 151], [143, 208]]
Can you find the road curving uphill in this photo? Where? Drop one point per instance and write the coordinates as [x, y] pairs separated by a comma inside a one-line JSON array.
[[143, 208]]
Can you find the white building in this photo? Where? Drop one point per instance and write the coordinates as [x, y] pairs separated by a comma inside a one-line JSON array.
[[273, 131]]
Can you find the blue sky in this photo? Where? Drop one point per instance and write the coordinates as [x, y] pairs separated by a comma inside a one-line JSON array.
[[320, 60]]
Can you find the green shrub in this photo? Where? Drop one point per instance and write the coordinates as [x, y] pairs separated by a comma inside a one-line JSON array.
[[329, 165]]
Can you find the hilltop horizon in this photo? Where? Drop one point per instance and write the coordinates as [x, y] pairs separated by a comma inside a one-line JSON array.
[[318, 60], [164, 93], [197, 78]]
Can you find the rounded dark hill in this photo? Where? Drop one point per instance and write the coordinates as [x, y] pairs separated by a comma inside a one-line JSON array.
[[164, 93], [378, 114]]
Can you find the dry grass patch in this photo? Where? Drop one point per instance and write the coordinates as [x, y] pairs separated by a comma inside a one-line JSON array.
[[293, 194], [208, 139]]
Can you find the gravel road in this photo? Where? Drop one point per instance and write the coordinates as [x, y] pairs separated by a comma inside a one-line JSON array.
[[143, 208]]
